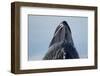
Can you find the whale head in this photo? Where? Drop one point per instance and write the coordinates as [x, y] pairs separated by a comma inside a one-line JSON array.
[[62, 34]]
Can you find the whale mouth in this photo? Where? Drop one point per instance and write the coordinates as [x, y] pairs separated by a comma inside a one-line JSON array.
[[62, 34], [62, 25], [66, 25]]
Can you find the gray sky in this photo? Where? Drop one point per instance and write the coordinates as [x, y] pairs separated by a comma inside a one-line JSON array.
[[41, 30]]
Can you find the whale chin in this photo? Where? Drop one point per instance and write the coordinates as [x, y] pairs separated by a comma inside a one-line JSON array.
[[62, 45]]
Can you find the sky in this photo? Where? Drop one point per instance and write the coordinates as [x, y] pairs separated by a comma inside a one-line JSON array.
[[41, 29]]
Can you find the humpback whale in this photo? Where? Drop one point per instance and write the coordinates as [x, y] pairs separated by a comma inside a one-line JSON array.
[[62, 45]]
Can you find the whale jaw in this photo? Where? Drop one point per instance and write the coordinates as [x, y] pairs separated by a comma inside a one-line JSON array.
[[62, 45]]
